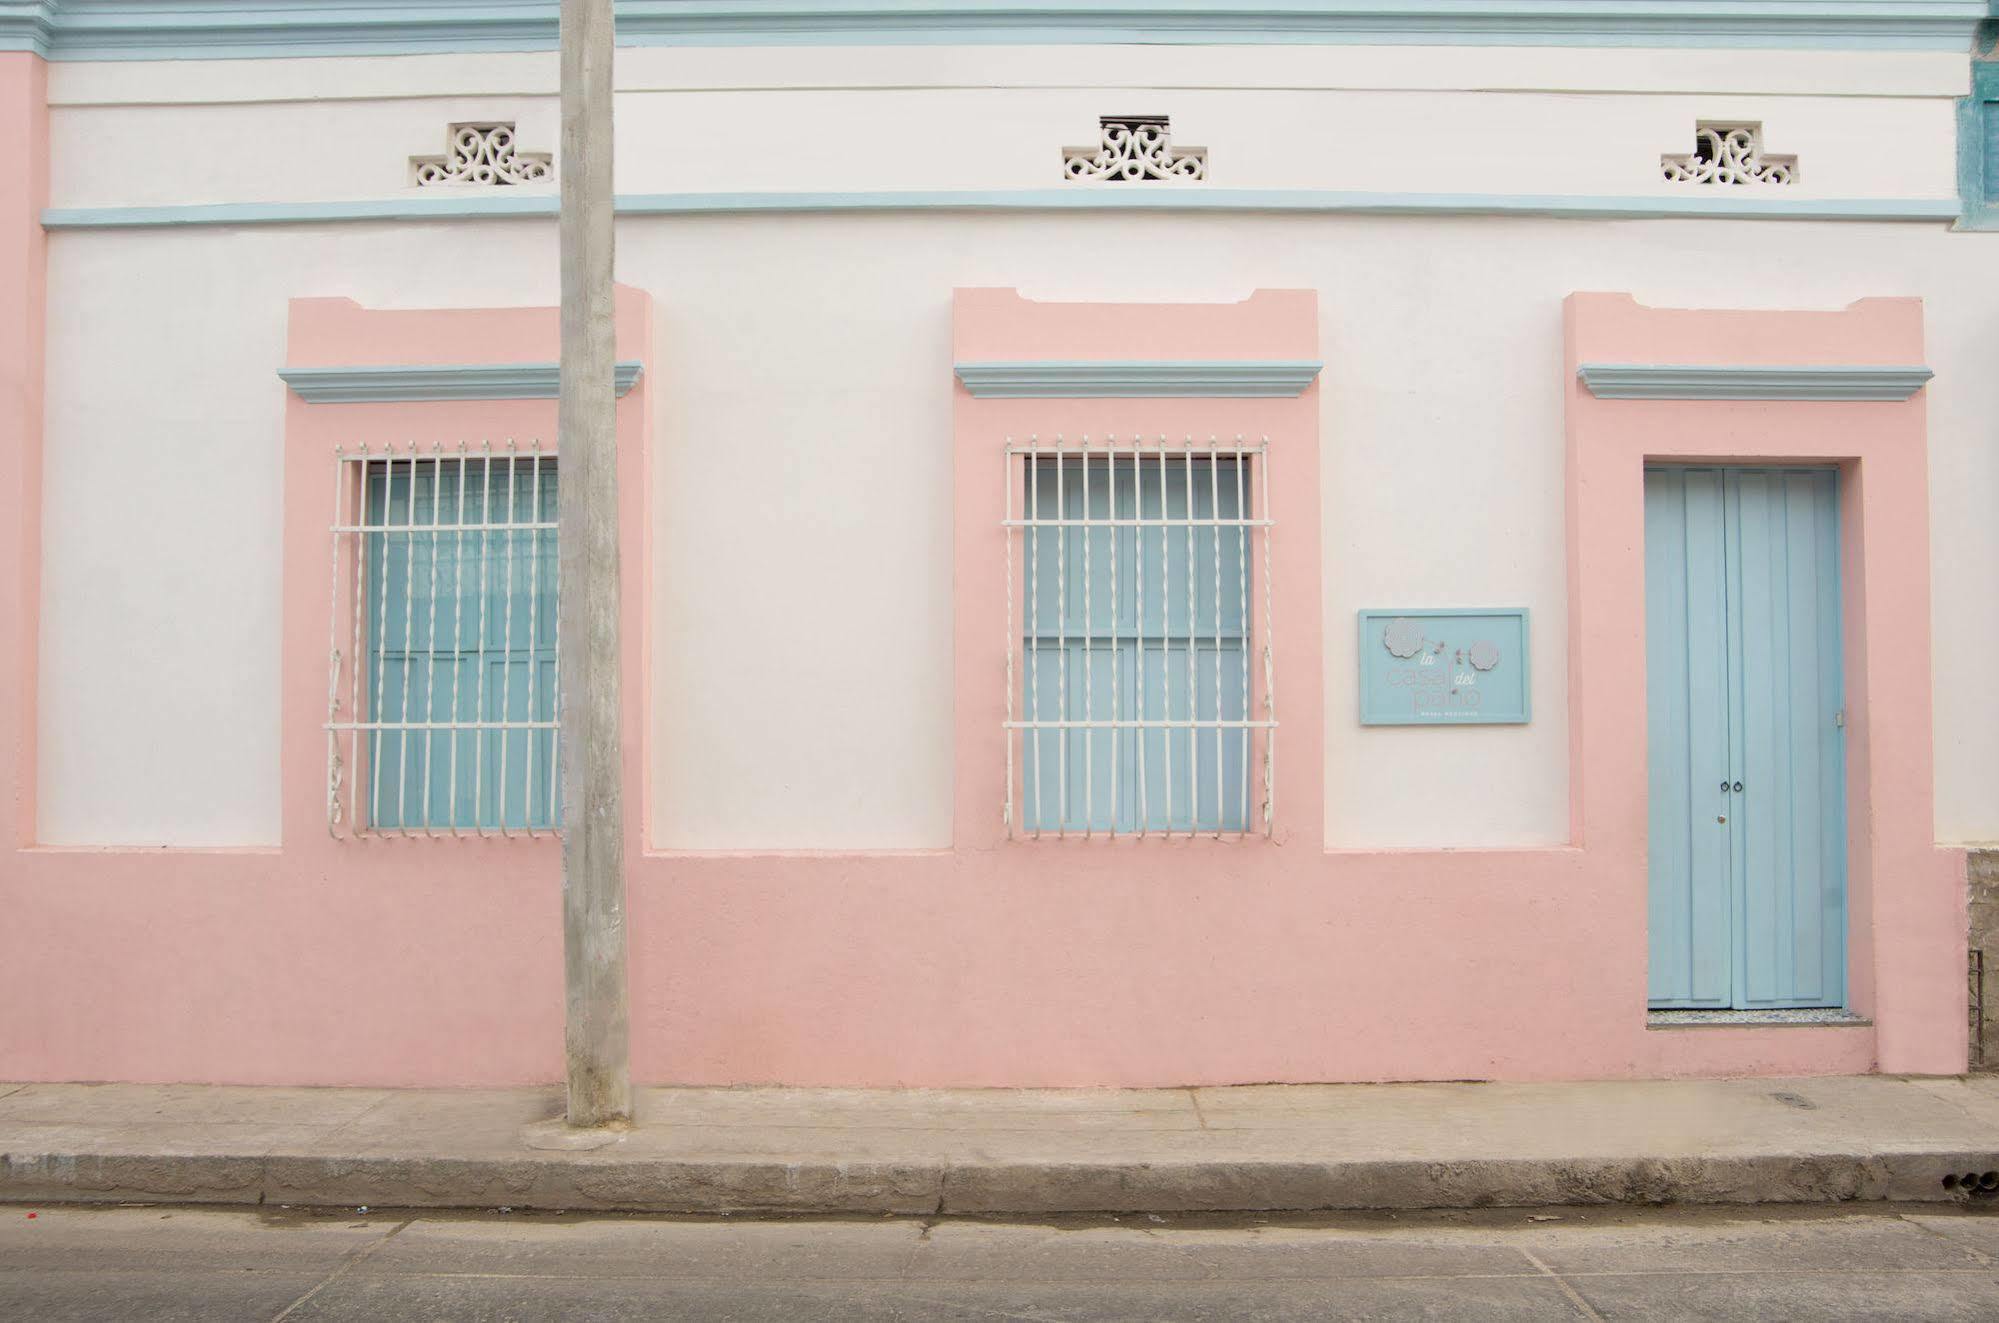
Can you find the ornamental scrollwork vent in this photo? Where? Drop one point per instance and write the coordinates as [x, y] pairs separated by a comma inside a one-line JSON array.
[[1729, 154], [482, 154], [1131, 148]]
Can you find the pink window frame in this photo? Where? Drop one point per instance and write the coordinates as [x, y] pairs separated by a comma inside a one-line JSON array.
[[999, 325]]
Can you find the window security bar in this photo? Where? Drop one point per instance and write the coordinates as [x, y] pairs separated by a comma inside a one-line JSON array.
[[1129, 678], [443, 687]]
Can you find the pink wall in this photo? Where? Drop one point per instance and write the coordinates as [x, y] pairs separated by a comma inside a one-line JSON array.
[[24, 191], [1155, 962], [326, 961], [1013, 962]]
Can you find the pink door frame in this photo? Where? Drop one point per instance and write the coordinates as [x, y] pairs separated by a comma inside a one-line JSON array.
[[1906, 897]]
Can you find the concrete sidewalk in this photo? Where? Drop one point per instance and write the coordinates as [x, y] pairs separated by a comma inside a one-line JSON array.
[[991, 1151]]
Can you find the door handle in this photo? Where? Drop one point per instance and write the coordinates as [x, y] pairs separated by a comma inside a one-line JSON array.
[[1738, 787], [1725, 787]]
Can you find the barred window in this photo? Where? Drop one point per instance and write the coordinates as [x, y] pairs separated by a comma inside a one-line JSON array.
[[1139, 699], [443, 691]]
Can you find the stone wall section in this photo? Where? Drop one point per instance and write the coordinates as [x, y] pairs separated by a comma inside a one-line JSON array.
[[1984, 872]]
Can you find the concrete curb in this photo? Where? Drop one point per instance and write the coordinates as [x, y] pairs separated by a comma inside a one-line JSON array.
[[832, 1151], [601, 1181]]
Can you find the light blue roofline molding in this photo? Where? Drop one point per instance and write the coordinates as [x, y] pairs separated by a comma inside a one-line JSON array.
[[1660, 381], [509, 204], [204, 29], [457, 381], [1151, 378]]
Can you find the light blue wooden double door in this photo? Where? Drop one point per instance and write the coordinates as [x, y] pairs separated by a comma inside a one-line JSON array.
[[1745, 720]]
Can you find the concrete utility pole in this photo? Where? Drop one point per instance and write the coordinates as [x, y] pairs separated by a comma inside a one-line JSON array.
[[597, 1040]]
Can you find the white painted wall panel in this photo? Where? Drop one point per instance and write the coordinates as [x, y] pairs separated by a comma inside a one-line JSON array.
[[293, 151], [160, 572], [1416, 142], [1584, 144], [801, 640], [163, 461], [1443, 478], [1962, 331], [802, 543]]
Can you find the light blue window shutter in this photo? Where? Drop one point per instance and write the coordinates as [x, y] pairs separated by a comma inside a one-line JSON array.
[[461, 615], [1127, 623]]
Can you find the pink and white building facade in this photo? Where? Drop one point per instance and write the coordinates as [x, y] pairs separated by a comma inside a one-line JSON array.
[[1161, 546]]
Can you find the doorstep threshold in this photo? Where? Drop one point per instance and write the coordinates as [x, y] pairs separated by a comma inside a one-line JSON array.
[[1804, 1015]]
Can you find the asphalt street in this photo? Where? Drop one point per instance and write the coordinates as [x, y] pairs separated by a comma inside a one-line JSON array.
[[167, 1263]]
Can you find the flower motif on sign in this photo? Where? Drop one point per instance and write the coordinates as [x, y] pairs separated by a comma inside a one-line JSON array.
[[1134, 147], [1729, 154], [1484, 655], [1403, 637], [482, 154]]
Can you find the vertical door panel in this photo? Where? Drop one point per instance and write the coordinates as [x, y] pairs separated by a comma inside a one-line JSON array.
[[1759, 625], [1686, 652], [1789, 865]]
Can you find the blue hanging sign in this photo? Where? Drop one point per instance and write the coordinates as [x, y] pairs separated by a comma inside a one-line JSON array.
[[1443, 668]]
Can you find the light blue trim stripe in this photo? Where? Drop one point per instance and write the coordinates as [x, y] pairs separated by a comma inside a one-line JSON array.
[[456, 381], [1150, 379], [501, 205], [1696, 204], [1893, 24], [1662, 381], [203, 29]]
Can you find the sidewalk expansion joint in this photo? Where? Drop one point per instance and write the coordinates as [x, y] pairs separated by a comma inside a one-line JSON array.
[[345, 1266], [1561, 1284]]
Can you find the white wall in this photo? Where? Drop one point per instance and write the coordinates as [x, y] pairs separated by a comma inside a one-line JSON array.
[[1373, 141], [802, 543], [1443, 470], [809, 359], [803, 597], [289, 151], [1384, 119], [163, 464]]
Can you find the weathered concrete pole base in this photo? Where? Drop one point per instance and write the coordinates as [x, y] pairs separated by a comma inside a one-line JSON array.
[[559, 1136], [710, 1151]]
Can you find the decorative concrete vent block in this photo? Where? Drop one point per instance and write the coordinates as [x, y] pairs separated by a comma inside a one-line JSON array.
[[1132, 148], [482, 154], [1729, 154]]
